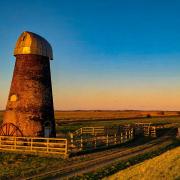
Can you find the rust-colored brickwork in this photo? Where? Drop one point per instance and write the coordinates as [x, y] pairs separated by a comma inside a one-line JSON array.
[[30, 102]]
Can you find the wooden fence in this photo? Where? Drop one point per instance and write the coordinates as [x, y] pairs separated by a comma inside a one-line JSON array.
[[89, 130], [148, 129], [90, 139], [34, 145], [85, 138]]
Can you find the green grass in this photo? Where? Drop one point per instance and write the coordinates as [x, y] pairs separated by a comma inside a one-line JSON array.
[[72, 126], [14, 165], [21, 165], [65, 127], [109, 170]]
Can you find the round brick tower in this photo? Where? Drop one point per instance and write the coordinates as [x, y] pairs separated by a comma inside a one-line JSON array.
[[29, 110]]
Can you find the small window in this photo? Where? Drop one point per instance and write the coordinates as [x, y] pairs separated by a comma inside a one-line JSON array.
[[13, 98]]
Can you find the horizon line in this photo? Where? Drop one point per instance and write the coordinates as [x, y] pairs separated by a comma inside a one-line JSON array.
[[109, 110]]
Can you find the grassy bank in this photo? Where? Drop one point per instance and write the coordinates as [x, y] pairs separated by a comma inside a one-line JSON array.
[[109, 170], [165, 166]]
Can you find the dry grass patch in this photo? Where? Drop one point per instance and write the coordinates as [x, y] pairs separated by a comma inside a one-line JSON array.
[[165, 166]]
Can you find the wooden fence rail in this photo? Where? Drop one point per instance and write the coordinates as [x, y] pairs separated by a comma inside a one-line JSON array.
[[89, 130], [93, 141], [32, 144], [85, 138], [147, 129]]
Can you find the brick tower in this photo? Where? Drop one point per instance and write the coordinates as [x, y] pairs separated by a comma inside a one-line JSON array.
[[29, 110]]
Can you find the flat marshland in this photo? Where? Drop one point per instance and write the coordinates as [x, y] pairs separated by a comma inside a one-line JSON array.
[[88, 115], [69, 121], [14, 165]]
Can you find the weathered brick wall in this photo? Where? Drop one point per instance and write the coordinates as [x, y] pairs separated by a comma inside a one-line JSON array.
[[30, 102]]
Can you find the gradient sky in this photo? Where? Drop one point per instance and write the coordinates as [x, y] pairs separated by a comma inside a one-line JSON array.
[[108, 54]]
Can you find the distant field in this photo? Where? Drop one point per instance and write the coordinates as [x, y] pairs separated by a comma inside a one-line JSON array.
[[65, 127], [105, 115], [91, 115], [68, 121], [165, 166], [22, 165]]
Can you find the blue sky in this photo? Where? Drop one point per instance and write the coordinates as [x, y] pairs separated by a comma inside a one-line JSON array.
[[108, 54]]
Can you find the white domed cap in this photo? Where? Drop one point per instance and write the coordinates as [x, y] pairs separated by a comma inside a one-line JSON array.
[[31, 43]]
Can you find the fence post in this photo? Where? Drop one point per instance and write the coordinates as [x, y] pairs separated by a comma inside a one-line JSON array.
[[126, 135], [47, 144], [81, 142], [66, 147], [115, 139], [95, 141], [14, 142], [107, 140], [0, 141], [31, 143], [93, 131], [71, 139], [153, 131], [131, 133], [81, 130], [121, 137]]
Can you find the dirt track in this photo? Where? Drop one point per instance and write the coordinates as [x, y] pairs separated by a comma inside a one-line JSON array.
[[101, 159]]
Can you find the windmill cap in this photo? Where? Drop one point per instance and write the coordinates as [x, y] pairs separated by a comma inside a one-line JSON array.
[[31, 43]]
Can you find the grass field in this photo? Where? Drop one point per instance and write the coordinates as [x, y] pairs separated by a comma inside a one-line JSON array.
[[13, 165], [16, 165], [19, 166], [72, 116], [165, 166], [72, 126], [69, 121], [109, 115]]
